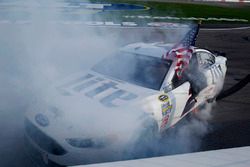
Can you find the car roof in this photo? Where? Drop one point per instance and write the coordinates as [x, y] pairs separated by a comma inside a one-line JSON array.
[[202, 50], [147, 49], [156, 49]]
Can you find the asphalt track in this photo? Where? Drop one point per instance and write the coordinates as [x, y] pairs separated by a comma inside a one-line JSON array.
[[230, 120], [231, 116]]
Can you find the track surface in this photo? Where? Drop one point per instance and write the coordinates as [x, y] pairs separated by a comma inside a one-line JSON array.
[[231, 120]]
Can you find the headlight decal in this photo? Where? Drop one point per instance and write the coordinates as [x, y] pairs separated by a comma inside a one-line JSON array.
[[86, 143]]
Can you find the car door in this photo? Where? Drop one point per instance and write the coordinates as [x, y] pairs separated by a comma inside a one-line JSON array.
[[173, 102]]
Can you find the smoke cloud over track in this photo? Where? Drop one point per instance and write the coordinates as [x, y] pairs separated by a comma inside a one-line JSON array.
[[35, 56]]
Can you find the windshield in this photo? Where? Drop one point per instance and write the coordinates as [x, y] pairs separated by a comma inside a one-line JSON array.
[[137, 69]]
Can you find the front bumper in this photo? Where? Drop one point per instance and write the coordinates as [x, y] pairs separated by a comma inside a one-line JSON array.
[[43, 148], [42, 140]]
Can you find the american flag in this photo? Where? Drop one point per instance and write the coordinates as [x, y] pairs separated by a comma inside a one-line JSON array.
[[183, 51], [190, 38]]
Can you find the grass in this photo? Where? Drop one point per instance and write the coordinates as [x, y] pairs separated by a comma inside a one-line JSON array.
[[179, 10]]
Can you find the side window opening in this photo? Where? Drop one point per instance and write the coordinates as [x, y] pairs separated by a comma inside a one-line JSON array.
[[187, 74], [194, 73], [199, 61], [176, 82]]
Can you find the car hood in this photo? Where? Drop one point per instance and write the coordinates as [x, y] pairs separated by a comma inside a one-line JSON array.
[[89, 104]]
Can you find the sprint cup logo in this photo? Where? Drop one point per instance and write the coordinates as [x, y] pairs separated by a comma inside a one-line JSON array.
[[163, 98]]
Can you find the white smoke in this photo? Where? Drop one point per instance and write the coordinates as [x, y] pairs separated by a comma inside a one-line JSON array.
[[34, 56], [186, 136]]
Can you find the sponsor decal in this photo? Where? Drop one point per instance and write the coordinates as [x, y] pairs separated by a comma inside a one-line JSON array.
[[166, 108], [163, 98], [42, 120], [166, 111], [91, 86], [165, 121]]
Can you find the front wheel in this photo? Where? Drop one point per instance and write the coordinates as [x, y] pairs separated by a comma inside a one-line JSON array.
[[146, 140]]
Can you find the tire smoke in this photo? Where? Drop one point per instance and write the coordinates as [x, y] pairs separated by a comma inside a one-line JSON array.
[[37, 55]]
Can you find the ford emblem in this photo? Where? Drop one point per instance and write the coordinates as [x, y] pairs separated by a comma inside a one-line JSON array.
[[42, 120]]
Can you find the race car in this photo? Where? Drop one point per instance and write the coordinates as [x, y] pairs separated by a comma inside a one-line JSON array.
[[163, 81]]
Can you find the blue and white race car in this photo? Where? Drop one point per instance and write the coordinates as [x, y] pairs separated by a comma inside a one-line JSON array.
[[140, 76]]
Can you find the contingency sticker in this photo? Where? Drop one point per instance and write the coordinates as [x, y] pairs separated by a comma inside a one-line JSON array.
[[166, 108]]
